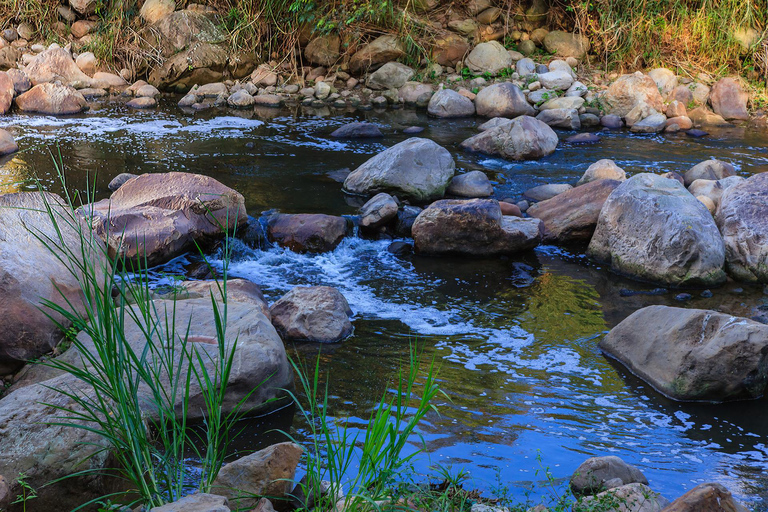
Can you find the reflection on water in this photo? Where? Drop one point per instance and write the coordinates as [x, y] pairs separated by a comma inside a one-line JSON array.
[[516, 338]]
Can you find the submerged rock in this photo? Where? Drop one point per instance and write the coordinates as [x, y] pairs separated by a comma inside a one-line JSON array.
[[416, 169], [312, 313], [522, 139], [473, 227], [307, 232], [357, 131], [693, 354], [651, 228], [158, 216]]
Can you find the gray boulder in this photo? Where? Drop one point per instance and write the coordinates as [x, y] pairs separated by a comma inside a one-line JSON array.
[[566, 44], [448, 103], [709, 170], [502, 100], [556, 80], [470, 184], [693, 354], [378, 211], [590, 477], [417, 169], [522, 139], [474, 227], [565, 118], [312, 313], [490, 57], [651, 228], [391, 75], [629, 91], [654, 123], [8, 144]]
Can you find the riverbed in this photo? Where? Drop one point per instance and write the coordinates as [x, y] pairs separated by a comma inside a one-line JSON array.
[[516, 338]]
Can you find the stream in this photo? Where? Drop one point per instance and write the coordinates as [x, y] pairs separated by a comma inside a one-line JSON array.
[[516, 338]]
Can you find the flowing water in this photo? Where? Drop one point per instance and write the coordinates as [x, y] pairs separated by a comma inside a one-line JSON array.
[[516, 337]]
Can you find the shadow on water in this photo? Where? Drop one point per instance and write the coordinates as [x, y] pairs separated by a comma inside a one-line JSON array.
[[516, 338]]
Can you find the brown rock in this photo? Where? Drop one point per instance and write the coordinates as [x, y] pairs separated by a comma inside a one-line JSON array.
[[307, 232], [159, 216], [84, 7], [729, 100], [82, 27], [20, 79], [323, 50], [197, 502], [706, 498], [8, 57], [55, 64], [376, 53], [268, 472], [312, 313], [702, 116], [676, 109], [52, 99], [449, 48], [7, 91], [629, 91], [572, 216], [510, 209], [7, 143], [153, 11]]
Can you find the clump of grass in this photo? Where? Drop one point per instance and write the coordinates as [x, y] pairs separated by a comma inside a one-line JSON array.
[[136, 394]]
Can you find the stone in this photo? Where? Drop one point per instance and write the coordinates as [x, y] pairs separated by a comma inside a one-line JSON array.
[[525, 67], [494, 123], [153, 11], [323, 50], [470, 184], [576, 90], [729, 100], [449, 48], [378, 211], [198, 502], [108, 80], [652, 228], [693, 354], [474, 227], [448, 103], [373, 55], [592, 474], [31, 274], [510, 209], [416, 169], [55, 64], [144, 102], [567, 119], [602, 169], [611, 121], [654, 123], [522, 139], [565, 102], [322, 90], [702, 116], [741, 218], [589, 121], [676, 124], [665, 79], [565, 44], [84, 7], [119, 180], [572, 215], [709, 203], [312, 313], [8, 57], [240, 99], [502, 100], [544, 192], [264, 76], [527, 47], [628, 91], [489, 15], [391, 75], [7, 92], [158, 216], [267, 472], [268, 100], [20, 80], [635, 497], [53, 99], [87, 62], [489, 57], [25, 31], [710, 497], [556, 80], [464, 27], [713, 189], [146, 91], [7, 143], [583, 138], [709, 170], [638, 113], [304, 232], [676, 109], [415, 93], [357, 130], [475, 7]]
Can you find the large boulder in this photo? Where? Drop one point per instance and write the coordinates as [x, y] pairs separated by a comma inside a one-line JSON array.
[[323, 50], [449, 48], [523, 138], [729, 100], [378, 52], [156, 217], [448, 103], [416, 169], [651, 228], [473, 227], [268, 472], [45, 451], [31, 273], [490, 57], [572, 215], [391, 75], [711, 497], [591, 476], [709, 170], [307, 232], [693, 354], [743, 222], [312, 313], [53, 99], [566, 44], [502, 100], [55, 64], [629, 91]]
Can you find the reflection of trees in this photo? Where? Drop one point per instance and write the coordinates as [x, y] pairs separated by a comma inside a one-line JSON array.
[[14, 173]]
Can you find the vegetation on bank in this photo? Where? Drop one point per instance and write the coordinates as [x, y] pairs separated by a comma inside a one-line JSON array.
[[712, 36]]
